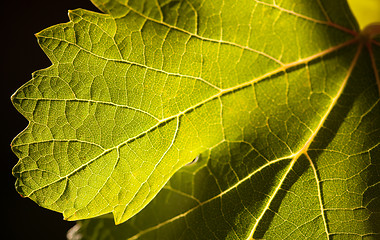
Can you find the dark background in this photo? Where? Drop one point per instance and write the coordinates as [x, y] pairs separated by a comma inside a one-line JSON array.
[[21, 55]]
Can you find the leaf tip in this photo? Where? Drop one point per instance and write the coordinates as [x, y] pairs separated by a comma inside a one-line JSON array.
[[119, 215], [70, 215], [75, 14], [39, 34], [22, 195], [117, 218]]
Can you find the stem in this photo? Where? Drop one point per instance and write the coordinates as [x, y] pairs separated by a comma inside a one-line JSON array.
[[370, 31]]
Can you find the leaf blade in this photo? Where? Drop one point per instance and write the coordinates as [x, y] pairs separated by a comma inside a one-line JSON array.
[[195, 110]]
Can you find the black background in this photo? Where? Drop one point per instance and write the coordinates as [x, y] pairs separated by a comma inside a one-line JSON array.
[[21, 55]]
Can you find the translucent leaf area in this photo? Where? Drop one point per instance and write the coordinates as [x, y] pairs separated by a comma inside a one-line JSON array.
[[278, 102]]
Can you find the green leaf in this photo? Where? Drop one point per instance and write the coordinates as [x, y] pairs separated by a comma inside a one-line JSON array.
[[278, 99]]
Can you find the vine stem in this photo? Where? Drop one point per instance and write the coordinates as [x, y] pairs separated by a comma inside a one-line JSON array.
[[370, 31]]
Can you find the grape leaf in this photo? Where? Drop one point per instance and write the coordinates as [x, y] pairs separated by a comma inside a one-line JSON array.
[[278, 99]]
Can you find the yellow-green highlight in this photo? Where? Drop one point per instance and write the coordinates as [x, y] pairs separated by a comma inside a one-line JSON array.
[[365, 11]]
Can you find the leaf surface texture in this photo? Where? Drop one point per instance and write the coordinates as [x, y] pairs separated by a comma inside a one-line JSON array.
[[279, 99]]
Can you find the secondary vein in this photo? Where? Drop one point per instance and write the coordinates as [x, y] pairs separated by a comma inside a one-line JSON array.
[[294, 158]]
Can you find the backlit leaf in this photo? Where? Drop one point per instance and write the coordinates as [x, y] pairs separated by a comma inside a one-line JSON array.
[[279, 99]]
